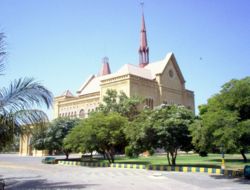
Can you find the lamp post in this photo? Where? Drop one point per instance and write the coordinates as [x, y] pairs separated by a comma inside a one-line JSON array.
[[222, 158]]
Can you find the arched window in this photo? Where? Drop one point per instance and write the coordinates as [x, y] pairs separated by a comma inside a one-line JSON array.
[[82, 113], [149, 103]]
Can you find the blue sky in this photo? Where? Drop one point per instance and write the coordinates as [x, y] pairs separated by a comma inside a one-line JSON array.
[[61, 42]]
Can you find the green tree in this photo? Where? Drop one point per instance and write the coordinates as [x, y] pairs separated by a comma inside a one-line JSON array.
[[81, 138], [39, 133], [2, 52], [140, 134], [165, 127], [100, 132], [18, 103], [171, 124], [57, 131], [120, 103], [224, 120]]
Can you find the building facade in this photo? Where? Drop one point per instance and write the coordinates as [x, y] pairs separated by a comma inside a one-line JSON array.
[[157, 82]]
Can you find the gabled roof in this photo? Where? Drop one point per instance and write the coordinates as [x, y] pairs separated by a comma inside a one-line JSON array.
[[133, 70], [158, 67], [86, 83], [92, 84]]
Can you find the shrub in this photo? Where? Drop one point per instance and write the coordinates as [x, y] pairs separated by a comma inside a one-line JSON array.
[[130, 152]]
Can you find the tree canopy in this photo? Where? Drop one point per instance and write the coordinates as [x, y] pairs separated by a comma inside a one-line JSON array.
[[120, 103], [52, 137], [165, 127], [100, 132], [225, 120]]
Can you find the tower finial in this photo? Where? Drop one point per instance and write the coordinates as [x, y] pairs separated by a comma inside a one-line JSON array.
[[143, 49], [142, 6], [105, 69]]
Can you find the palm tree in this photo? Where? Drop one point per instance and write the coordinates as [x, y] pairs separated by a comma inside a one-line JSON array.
[[19, 103], [2, 52]]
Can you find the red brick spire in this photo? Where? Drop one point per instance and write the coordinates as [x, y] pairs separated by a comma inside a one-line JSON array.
[[105, 70], [143, 49]]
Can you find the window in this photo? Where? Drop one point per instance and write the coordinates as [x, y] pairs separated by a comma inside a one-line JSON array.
[[82, 113], [149, 103]]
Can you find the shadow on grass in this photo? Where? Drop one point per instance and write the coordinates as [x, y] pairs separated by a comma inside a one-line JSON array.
[[38, 183], [191, 165], [231, 160]]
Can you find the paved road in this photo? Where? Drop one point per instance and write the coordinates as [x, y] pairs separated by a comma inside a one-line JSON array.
[[30, 173]]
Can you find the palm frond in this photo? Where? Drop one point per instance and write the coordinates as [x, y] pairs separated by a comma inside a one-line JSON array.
[[23, 94], [2, 52], [30, 117], [24, 118]]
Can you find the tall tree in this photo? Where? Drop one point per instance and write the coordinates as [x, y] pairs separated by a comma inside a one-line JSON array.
[[16, 106], [120, 103], [171, 124], [2, 52], [57, 130], [165, 127], [225, 119], [38, 139], [140, 134], [82, 139], [18, 103], [100, 132]]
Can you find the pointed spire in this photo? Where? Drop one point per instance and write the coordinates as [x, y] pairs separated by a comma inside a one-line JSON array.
[[143, 49], [105, 70]]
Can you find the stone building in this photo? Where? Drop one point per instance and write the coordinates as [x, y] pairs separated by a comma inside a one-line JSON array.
[[157, 82]]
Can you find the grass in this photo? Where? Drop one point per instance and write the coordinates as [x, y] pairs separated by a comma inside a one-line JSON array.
[[232, 161]]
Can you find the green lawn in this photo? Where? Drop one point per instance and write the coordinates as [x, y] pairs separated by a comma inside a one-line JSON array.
[[212, 160], [232, 161]]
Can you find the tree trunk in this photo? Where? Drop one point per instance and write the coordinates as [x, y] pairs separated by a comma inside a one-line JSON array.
[[108, 156], [242, 151], [112, 158], [172, 158], [173, 161], [112, 154], [67, 155], [168, 158]]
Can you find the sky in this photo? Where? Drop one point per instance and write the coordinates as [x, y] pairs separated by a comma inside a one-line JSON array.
[[61, 42]]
